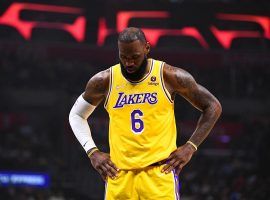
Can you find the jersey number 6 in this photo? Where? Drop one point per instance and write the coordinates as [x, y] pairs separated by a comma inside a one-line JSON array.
[[137, 125]]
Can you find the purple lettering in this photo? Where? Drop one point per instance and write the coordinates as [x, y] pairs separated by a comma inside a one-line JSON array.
[[146, 96], [131, 99], [118, 105], [124, 99], [153, 99]]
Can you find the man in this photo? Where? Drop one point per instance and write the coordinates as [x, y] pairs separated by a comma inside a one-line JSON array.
[[139, 96]]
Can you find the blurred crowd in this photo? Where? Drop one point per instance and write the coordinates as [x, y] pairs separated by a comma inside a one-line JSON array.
[[29, 67], [237, 171], [40, 80], [38, 138]]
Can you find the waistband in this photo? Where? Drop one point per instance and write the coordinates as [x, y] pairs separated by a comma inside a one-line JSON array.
[[158, 163]]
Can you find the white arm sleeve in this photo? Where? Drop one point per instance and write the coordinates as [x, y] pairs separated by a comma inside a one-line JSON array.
[[78, 115]]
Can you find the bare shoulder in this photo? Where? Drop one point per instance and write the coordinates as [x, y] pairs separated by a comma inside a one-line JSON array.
[[181, 82], [177, 78], [99, 82], [97, 87]]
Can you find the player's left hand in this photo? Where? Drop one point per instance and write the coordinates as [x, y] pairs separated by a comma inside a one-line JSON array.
[[178, 159]]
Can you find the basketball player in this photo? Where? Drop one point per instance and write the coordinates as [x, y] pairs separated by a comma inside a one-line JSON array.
[[139, 93]]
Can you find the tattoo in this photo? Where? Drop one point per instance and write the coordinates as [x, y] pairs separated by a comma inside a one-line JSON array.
[[98, 84], [205, 124], [210, 107], [171, 68], [97, 87], [201, 97], [185, 85], [184, 80]]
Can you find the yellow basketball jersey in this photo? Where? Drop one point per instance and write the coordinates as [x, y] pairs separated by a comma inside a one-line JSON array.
[[142, 127]]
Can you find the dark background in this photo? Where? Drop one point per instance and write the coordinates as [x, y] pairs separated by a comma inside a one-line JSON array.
[[41, 77]]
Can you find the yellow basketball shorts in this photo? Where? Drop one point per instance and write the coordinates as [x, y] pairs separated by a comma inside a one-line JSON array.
[[143, 184]]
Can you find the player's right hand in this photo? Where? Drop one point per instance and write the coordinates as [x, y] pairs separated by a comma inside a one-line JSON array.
[[103, 164]]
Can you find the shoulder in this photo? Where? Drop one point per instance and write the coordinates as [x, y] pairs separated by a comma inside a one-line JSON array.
[[99, 80], [105, 74], [172, 72], [176, 77], [97, 87]]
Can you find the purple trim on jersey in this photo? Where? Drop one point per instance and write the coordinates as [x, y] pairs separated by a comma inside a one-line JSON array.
[[105, 191], [110, 88], [177, 185], [162, 82]]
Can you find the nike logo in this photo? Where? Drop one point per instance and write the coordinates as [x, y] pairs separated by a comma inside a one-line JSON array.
[[84, 144]]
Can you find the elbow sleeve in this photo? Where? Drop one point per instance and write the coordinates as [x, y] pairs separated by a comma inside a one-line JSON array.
[[78, 115]]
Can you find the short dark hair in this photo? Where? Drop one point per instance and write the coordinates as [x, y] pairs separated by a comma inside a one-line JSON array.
[[131, 34]]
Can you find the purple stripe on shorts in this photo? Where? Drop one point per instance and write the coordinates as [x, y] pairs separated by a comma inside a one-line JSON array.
[[177, 185], [105, 191]]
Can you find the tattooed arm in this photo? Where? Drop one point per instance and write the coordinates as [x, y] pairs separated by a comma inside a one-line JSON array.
[[97, 87], [95, 91], [178, 81]]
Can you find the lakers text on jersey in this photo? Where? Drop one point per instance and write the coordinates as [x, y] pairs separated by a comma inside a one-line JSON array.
[[142, 127]]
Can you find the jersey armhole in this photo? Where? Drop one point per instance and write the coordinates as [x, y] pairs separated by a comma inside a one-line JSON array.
[[167, 93], [110, 88]]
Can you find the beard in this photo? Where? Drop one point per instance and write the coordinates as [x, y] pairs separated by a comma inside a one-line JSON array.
[[135, 76]]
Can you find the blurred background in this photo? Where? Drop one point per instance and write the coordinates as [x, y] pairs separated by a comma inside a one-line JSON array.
[[50, 49]]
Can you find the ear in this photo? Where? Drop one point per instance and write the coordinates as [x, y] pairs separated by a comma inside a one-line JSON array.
[[147, 48]]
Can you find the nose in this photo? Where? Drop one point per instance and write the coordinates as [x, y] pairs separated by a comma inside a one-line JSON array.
[[129, 63]]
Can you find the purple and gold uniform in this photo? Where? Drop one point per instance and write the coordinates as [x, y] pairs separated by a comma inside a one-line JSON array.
[[142, 131]]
